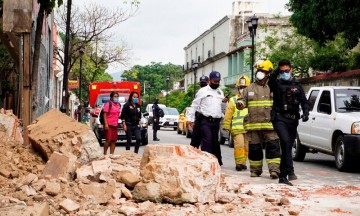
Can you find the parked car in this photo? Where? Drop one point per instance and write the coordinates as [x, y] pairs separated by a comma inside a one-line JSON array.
[[333, 127], [149, 110], [170, 119], [99, 129], [183, 126]]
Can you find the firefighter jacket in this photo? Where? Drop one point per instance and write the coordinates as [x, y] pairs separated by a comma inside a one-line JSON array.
[[234, 118], [258, 99]]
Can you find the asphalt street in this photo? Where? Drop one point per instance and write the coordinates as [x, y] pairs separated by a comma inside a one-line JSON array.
[[316, 168]]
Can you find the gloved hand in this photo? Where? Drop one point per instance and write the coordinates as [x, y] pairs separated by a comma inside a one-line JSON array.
[[239, 105], [305, 118]]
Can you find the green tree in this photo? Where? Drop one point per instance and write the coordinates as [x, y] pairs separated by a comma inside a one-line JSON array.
[[322, 20], [154, 75], [289, 45]]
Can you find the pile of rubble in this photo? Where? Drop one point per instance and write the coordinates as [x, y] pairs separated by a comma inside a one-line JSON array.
[[67, 174]]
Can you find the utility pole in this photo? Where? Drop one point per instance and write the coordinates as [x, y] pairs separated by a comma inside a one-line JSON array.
[[65, 93]]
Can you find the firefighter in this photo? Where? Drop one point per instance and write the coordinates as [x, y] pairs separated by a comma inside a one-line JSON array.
[[288, 96], [234, 122], [260, 132]]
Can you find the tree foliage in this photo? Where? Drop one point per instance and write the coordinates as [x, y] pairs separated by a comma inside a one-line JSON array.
[[90, 29], [322, 20], [288, 45], [154, 75]]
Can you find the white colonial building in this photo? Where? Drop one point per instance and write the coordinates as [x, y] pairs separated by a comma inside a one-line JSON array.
[[226, 46]]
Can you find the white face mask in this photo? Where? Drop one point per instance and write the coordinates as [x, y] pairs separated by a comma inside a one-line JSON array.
[[241, 91], [260, 75]]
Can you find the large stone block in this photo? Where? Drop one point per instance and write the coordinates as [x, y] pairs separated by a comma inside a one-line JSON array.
[[184, 174], [55, 131]]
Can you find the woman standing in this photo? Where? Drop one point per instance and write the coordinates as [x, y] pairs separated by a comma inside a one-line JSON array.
[[111, 116], [130, 116]]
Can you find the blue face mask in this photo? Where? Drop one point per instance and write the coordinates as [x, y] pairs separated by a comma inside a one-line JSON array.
[[116, 100], [135, 100], [285, 76]]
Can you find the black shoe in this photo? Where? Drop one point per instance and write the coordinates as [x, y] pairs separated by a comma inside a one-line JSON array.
[[238, 167], [244, 167], [156, 139], [284, 180], [292, 177]]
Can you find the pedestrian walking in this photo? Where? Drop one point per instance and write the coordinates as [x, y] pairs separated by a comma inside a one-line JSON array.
[[260, 132], [288, 97], [208, 102], [111, 116], [130, 117], [196, 133], [234, 122], [156, 119]]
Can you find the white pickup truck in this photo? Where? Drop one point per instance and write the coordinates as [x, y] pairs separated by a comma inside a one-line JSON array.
[[333, 126]]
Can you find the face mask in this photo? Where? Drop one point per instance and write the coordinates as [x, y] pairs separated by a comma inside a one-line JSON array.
[[241, 91], [260, 75], [135, 100], [203, 84], [214, 86], [116, 100], [285, 76]]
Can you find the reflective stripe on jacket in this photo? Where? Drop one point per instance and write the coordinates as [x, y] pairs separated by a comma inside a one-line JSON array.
[[258, 99], [234, 118]]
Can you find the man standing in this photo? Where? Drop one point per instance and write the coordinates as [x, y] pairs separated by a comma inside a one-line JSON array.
[[260, 132], [208, 102], [156, 118], [196, 133], [288, 96], [234, 122]]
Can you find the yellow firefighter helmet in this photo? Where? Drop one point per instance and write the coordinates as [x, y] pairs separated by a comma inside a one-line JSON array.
[[264, 65], [243, 81]]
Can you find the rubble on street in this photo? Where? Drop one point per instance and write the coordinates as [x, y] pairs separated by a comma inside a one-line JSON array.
[[63, 172]]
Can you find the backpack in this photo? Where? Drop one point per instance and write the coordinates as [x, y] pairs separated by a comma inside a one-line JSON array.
[[161, 113], [102, 121]]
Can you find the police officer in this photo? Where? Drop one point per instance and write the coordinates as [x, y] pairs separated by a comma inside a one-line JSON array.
[[156, 118], [260, 132], [288, 96], [196, 134], [234, 122], [208, 102]]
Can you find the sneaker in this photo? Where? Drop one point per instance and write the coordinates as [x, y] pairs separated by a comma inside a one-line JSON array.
[[292, 177], [156, 139], [284, 180], [253, 174], [274, 175]]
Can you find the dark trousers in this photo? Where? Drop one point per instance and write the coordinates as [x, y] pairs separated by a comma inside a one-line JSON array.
[[155, 127], [210, 137], [196, 133], [286, 129], [133, 129]]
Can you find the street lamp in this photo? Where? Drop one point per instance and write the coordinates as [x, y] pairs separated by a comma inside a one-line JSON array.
[[195, 66], [65, 93], [252, 23], [167, 88], [81, 52]]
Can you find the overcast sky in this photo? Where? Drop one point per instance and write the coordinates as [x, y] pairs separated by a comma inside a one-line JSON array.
[[162, 28]]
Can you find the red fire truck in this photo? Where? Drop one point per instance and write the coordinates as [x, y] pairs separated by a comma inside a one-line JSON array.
[[99, 92]]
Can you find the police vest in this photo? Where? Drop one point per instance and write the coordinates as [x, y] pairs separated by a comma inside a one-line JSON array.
[[289, 97], [237, 124]]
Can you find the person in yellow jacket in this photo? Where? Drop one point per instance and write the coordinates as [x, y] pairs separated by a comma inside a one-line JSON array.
[[260, 132], [234, 122]]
